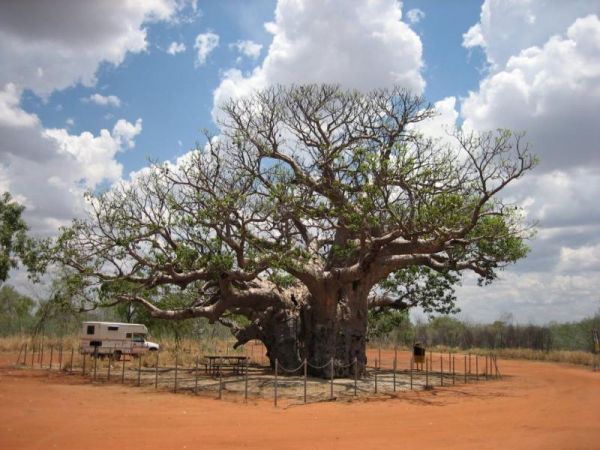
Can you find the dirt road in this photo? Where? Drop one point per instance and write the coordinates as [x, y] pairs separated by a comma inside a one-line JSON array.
[[536, 406]]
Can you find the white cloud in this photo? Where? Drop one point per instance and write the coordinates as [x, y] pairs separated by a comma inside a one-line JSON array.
[[506, 27], [205, 44], [357, 44], [176, 47], [47, 46], [105, 100], [544, 78], [552, 92], [415, 15], [250, 49], [11, 114]]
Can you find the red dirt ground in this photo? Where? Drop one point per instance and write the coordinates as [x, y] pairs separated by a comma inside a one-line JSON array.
[[536, 406]]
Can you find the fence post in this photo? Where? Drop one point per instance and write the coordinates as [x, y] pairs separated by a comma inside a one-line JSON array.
[[122, 369], [95, 361], [379, 356], [376, 370], [51, 357], [412, 359], [139, 374], [441, 369], [156, 371], [41, 355], [176, 372], [83, 366], [486, 367], [453, 370], [71, 362], [305, 374], [195, 376], [476, 367], [276, 369], [110, 359], [331, 381], [220, 381], [426, 373], [32, 354], [355, 376], [465, 369], [60, 356], [394, 370], [246, 382], [25, 355]]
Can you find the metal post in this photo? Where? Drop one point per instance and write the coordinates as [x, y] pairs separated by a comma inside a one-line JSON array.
[[60, 355], [331, 381], [466, 369], [32, 354], [110, 359], [246, 382], [453, 370], [176, 372], [95, 361], [355, 376], [477, 367], [305, 374], [42, 353], [486, 367], [195, 376], [25, 355], [51, 356], [156, 372], [412, 361], [139, 374], [379, 357], [426, 373], [123, 370], [376, 379], [276, 369], [220, 381], [83, 366], [71, 363], [394, 370]]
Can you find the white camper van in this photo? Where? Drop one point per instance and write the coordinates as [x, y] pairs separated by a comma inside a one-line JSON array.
[[113, 338]]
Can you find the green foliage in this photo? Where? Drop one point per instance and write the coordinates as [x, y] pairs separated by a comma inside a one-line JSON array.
[[394, 325], [12, 234], [16, 312]]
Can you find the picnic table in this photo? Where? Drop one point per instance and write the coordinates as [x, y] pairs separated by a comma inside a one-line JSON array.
[[214, 363]]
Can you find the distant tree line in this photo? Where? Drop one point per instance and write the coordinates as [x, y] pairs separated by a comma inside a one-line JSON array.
[[396, 328]]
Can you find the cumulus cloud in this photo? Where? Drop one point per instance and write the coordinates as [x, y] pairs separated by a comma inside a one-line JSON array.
[[250, 49], [415, 15], [49, 46], [105, 100], [370, 47], [205, 44], [176, 47], [544, 78]]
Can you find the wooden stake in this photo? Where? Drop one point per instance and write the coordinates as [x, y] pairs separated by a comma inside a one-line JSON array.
[[176, 372], [156, 372], [355, 376], [305, 376], [331, 381], [276, 369], [412, 361]]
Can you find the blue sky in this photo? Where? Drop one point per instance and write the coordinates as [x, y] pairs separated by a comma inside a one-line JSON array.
[[524, 64], [174, 98]]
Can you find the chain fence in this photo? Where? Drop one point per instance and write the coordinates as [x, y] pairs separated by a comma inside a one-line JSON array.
[[248, 376]]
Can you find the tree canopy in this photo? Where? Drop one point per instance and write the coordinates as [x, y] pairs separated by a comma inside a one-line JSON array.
[[312, 205]]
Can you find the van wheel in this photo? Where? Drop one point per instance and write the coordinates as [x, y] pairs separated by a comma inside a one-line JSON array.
[[117, 355]]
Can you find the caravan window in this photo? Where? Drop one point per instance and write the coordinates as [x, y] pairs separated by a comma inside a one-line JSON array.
[[113, 328], [138, 338], [90, 329]]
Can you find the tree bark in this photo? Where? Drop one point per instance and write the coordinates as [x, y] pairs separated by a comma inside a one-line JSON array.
[[335, 326]]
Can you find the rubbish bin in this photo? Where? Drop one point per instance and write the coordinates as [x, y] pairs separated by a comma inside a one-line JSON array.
[[419, 353]]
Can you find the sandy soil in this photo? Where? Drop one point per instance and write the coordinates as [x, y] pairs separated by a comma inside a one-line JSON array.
[[535, 406]]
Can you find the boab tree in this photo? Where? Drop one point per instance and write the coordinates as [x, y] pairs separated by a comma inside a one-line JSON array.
[[312, 205]]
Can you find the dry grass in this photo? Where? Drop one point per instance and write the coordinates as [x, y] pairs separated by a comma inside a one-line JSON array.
[[188, 349]]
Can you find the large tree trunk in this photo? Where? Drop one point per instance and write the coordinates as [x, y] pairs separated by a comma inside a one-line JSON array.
[[335, 328]]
